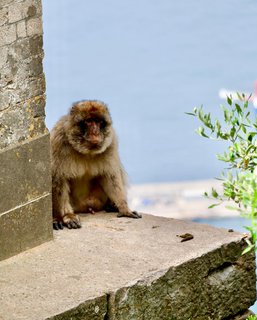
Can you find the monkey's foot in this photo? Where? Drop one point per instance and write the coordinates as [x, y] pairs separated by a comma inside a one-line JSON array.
[[57, 224], [130, 214], [71, 221]]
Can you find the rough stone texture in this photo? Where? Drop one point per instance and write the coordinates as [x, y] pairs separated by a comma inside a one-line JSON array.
[[118, 268], [25, 182], [243, 315], [22, 82], [25, 227], [24, 172]]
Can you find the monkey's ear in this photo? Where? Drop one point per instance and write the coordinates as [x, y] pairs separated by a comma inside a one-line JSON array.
[[74, 109]]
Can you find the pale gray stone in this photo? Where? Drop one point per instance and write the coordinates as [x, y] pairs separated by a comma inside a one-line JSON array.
[[21, 29], [3, 56], [25, 206], [3, 16], [7, 34], [4, 3], [15, 12], [34, 26], [120, 268]]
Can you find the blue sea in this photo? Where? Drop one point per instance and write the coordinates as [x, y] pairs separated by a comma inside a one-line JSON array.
[[152, 61]]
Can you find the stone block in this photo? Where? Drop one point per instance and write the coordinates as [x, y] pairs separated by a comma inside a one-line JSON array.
[[25, 226], [3, 57], [34, 26], [7, 34], [32, 8], [24, 121], [93, 309], [25, 173], [15, 12], [4, 3], [26, 48], [119, 268], [3, 16], [21, 29], [22, 10], [25, 188]]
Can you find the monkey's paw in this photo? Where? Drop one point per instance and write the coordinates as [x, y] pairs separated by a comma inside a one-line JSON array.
[[69, 220], [130, 214], [57, 224]]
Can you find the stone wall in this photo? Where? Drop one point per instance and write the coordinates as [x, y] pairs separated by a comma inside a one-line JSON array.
[[25, 182]]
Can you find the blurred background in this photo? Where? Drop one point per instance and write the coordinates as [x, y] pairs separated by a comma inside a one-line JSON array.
[[151, 62]]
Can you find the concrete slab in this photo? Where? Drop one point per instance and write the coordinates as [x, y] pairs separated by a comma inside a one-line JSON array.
[[118, 268]]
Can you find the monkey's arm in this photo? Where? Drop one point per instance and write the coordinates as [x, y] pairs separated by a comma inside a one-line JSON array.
[[115, 190], [63, 213]]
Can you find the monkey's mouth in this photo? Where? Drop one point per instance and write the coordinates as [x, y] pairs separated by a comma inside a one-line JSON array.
[[93, 139], [94, 143]]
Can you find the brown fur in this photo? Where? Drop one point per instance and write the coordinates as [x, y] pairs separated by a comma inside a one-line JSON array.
[[87, 173]]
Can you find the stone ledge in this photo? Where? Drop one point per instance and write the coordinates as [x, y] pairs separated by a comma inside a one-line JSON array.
[[26, 201], [119, 269]]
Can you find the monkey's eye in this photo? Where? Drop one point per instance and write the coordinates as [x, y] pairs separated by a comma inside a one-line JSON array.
[[82, 126], [103, 124]]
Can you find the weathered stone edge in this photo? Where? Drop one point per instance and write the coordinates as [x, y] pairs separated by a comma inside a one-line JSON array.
[[242, 315], [113, 304], [93, 309]]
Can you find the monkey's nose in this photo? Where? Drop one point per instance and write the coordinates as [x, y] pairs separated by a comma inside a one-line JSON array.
[[94, 139]]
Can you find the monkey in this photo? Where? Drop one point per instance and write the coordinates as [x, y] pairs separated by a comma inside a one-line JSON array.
[[87, 173]]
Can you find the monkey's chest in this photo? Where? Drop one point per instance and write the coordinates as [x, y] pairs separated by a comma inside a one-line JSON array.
[[80, 187], [87, 194]]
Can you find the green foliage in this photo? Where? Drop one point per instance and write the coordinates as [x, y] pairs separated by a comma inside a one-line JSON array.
[[240, 178], [251, 318]]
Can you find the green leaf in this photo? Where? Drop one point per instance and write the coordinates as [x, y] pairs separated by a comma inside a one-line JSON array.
[[232, 132], [238, 108], [229, 100], [239, 96], [213, 205], [201, 132], [214, 193], [223, 135], [250, 136], [243, 129], [240, 178]]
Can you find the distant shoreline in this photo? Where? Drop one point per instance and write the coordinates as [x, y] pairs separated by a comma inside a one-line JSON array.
[[180, 200]]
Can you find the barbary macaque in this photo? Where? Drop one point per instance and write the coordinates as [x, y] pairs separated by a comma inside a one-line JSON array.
[[87, 174]]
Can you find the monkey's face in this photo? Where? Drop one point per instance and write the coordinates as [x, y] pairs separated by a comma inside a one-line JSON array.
[[90, 130]]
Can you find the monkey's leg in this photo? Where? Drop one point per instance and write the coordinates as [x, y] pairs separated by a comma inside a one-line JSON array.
[[62, 209], [110, 207], [114, 189]]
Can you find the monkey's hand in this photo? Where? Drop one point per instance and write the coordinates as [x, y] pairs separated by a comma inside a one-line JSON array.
[[129, 214], [69, 220]]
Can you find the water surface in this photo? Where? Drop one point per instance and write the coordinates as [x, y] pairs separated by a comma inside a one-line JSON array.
[[151, 61]]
